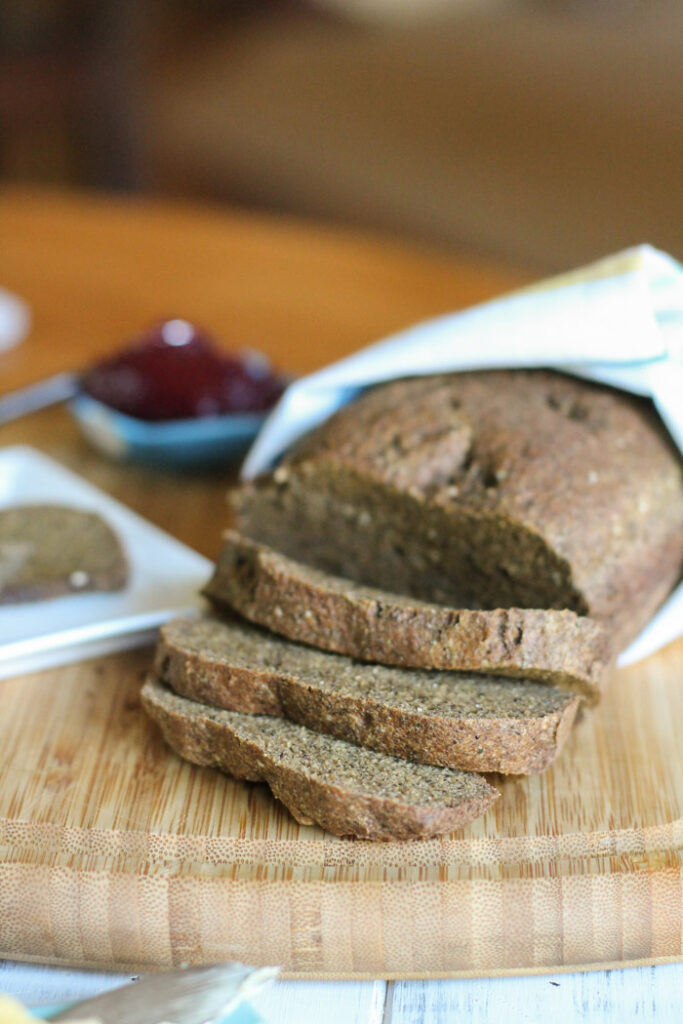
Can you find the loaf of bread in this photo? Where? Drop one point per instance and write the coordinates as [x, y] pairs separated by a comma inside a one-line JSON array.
[[489, 539], [336, 614], [345, 789], [473, 722], [53, 550], [483, 490]]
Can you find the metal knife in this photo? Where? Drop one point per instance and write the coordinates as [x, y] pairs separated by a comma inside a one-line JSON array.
[[190, 995], [38, 396]]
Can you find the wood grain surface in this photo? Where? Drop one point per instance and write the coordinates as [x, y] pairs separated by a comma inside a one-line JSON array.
[[114, 853]]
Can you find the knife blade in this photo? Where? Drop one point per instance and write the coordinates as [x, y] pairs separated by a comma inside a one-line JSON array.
[[189, 995], [37, 396]]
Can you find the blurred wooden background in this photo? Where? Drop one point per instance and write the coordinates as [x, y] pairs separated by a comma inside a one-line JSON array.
[[542, 132]]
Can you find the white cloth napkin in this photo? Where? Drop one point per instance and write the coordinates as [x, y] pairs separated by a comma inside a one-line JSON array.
[[618, 321], [15, 319]]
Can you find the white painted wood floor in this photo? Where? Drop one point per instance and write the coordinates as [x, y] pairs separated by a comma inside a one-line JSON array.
[[639, 994]]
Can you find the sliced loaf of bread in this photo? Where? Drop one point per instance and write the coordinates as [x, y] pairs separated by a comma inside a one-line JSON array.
[[345, 789], [336, 614], [513, 488], [468, 721]]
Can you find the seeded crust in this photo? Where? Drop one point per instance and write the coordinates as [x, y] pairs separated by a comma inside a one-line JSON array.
[[345, 789], [472, 722], [484, 490], [50, 550], [335, 614]]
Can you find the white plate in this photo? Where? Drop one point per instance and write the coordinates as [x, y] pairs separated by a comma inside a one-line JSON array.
[[165, 576]]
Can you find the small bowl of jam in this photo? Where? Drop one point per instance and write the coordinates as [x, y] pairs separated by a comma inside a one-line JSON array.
[[172, 397]]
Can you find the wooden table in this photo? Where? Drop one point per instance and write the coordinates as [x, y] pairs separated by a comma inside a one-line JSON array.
[[95, 271]]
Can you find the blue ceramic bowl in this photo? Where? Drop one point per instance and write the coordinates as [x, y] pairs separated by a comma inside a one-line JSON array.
[[203, 441]]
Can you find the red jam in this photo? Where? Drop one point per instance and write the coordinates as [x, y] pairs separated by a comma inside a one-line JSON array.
[[174, 371]]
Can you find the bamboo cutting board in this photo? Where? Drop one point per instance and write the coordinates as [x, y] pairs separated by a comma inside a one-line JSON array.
[[114, 853]]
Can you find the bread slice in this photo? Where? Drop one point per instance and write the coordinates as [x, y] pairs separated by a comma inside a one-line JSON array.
[[345, 789], [493, 489], [52, 550], [336, 614], [473, 722]]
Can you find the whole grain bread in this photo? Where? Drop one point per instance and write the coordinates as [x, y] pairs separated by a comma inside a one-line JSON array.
[[345, 789], [335, 614], [51, 550], [473, 722], [488, 489]]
